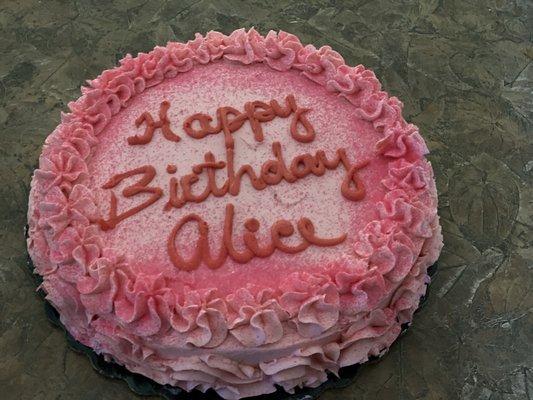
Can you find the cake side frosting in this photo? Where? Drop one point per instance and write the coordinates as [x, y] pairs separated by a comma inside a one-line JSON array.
[[315, 322]]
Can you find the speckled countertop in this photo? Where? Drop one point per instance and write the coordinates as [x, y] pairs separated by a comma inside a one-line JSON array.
[[463, 70]]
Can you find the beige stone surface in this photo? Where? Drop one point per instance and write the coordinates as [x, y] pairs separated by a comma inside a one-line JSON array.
[[463, 70]]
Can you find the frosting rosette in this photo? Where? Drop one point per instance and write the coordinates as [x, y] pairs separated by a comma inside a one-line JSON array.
[[238, 213]]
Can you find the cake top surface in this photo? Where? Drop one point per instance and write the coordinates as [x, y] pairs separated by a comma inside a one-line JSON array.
[[318, 197], [235, 175]]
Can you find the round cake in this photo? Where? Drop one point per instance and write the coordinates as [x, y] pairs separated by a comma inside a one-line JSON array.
[[236, 213]]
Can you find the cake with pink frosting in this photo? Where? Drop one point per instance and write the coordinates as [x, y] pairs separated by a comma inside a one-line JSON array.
[[236, 213]]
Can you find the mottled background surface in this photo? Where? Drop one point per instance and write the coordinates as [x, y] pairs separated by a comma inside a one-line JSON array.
[[463, 70]]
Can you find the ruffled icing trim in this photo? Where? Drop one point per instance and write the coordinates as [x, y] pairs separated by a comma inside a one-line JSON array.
[[120, 312]]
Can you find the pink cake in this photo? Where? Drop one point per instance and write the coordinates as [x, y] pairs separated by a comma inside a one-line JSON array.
[[237, 213]]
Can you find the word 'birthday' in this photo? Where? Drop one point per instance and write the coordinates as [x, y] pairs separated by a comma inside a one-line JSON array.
[[188, 188]]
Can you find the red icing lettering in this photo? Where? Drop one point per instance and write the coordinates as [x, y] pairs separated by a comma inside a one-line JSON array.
[[141, 186], [279, 230], [151, 126], [190, 189], [229, 120], [271, 173]]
